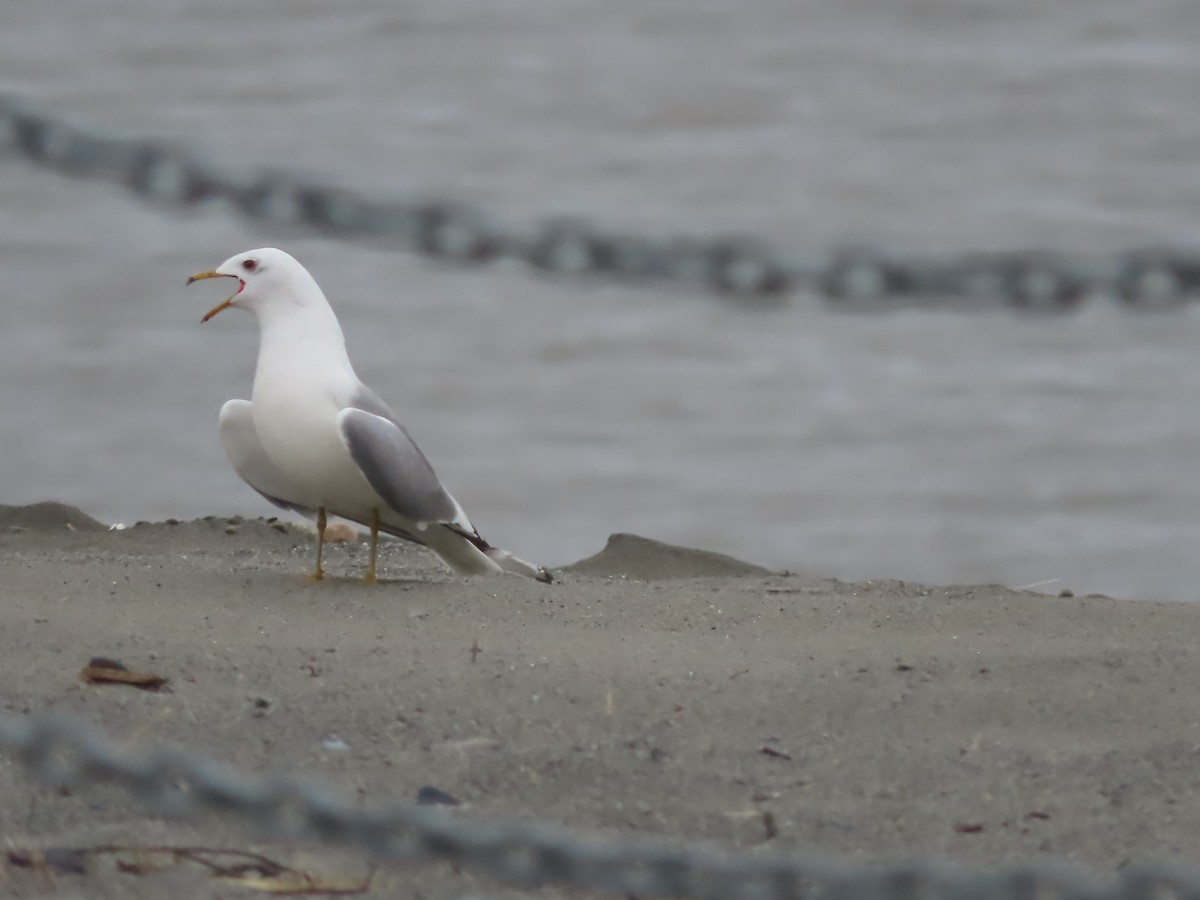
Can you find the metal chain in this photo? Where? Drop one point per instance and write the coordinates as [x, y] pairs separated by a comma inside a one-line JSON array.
[[743, 268], [65, 751]]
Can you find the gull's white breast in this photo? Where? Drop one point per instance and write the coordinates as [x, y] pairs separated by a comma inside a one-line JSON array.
[[296, 403]]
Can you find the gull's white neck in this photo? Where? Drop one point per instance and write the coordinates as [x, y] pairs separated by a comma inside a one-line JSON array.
[[300, 341]]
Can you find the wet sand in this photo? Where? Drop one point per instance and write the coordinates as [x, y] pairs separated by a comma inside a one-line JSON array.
[[652, 689]]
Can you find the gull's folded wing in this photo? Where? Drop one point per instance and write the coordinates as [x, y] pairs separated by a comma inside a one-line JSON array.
[[397, 469]]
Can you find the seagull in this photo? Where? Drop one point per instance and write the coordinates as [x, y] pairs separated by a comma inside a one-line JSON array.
[[317, 441]]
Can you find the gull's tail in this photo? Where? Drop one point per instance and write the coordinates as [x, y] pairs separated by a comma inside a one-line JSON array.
[[502, 560], [517, 566], [466, 553]]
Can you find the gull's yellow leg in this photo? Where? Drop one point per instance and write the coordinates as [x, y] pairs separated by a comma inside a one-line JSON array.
[[320, 573], [369, 578]]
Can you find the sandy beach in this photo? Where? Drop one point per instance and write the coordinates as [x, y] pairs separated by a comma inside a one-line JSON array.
[[652, 689]]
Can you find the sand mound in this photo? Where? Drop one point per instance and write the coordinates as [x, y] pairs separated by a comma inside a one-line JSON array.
[[643, 559], [48, 516]]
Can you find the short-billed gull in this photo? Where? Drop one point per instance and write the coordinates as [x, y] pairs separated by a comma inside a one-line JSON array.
[[318, 441]]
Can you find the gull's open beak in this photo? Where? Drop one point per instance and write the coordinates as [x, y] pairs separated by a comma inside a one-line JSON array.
[[200, 276]]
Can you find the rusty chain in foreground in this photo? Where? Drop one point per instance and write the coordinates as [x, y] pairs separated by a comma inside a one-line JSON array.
[[63, 751], [742, 268]]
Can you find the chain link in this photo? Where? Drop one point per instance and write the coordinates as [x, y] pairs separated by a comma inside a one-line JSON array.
[[746, 269], [63, 751]]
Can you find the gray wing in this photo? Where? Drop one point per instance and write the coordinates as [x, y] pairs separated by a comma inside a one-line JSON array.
[[394, 465], [250, 460]]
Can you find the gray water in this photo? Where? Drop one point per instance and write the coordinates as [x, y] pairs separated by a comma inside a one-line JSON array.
[[922, 445]]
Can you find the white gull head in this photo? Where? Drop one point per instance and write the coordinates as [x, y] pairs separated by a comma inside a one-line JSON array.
[[271, 284]]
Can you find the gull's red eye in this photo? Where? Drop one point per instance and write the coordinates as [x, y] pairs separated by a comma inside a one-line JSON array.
[[249, 265]]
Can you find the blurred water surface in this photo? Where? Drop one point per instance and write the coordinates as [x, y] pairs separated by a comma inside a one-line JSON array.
[[919, 445]]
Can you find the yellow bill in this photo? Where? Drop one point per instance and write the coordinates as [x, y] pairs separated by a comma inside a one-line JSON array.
[[201, 276]]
